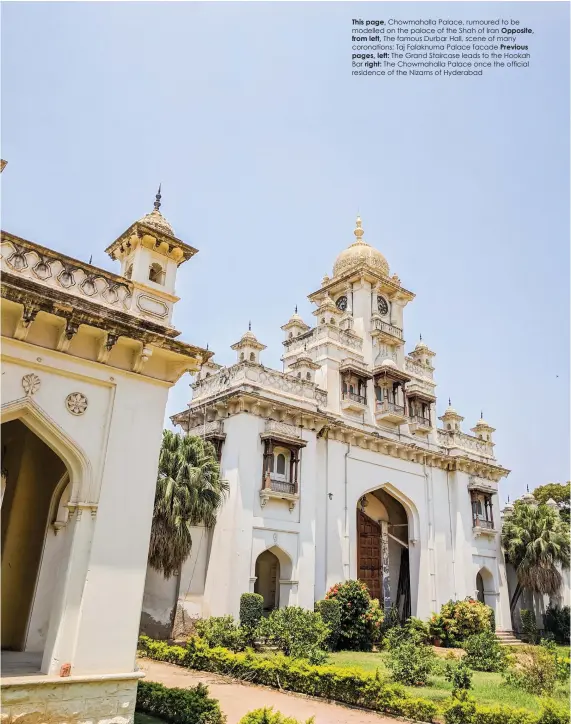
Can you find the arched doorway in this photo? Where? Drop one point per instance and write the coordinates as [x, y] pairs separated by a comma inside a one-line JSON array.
[[486, 588], [33, 475], [382, 550], [267, 582], [480, 588]]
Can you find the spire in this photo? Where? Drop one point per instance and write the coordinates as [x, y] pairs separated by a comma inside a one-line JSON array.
[[296, 308], [449, 403], [359, 229], [249, 326], [157, 203], [421, 336], [481, 414]]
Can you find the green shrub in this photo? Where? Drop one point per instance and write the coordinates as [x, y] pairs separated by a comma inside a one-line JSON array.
[[375, 618], [356, 631], [552, 713], [535, 670], [411, 663], [460, 709], [221, 631], [269, 716], [484, 653], [459, 675], [528, 626], [503, 715], [460, 619], [562, 667], [556, 623], [413, 630], [296, 632], [179, 706], [349, 686], [251, 610], [418, 629], [330, 612]]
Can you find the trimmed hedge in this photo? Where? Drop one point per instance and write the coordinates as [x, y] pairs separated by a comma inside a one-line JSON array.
[[269, 716], [251, 609], [179, 706], [349, 686]]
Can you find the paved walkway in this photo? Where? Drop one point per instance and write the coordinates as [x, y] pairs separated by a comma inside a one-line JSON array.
[[237, 698]]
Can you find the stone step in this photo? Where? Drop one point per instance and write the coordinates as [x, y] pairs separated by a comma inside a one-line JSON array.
[[507, 638]]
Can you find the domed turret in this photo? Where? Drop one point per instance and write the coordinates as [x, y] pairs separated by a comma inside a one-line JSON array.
[[155, 219], [360, 254], [451, 419], [248, 348]]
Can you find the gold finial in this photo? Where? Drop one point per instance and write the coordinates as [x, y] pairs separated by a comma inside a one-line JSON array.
[[359, 230]]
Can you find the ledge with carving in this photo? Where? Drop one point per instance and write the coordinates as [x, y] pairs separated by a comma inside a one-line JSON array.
[[460, 440], [415, 368], [257, 376], [324, 332], [359, 273], [333, 427], [114, 327]]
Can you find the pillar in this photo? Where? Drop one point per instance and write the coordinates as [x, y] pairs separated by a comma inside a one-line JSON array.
[[386, 582]]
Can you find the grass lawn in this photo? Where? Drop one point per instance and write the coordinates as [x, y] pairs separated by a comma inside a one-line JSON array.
[[488, 689]]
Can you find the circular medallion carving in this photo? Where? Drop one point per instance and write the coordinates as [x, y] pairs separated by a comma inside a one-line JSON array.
[[76, 403], [31, 384], [382, 305], [341, 303]]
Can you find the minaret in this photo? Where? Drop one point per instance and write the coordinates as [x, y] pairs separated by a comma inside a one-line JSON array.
[[451, 419], [248, 348], [294, 326], [483, 430], [150, 255]]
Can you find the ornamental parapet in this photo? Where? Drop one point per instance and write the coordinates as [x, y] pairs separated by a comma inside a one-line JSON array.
[[249, 373], [344, 337], [415, 368], [460, 440]]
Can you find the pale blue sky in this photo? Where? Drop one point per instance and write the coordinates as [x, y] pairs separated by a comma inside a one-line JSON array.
[[266, 146]]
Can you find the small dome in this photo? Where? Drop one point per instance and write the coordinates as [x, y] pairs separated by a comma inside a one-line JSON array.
[[248, 336], [482, 423], [450, 410], [552, 504], [360, 253], [420, 346], [157, 221], [388, 363], [527, 498], [508, 509]]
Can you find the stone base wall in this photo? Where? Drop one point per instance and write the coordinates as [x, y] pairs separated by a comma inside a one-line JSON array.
[[65, 701]]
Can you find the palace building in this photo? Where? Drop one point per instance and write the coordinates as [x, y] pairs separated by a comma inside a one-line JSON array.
[[338, 466], [88, 358]]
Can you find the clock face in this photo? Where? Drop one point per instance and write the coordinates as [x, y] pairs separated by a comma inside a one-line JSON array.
[[382, 305], [342, 303]]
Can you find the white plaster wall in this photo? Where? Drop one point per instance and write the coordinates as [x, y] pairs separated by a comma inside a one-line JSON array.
[[158, 604], [95, 613]]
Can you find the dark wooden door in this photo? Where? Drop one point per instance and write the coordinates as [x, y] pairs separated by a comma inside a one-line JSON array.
[[369, 562]]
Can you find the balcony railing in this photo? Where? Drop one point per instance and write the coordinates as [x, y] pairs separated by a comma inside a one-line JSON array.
[[481, 523], [386, 406], [361, 399], [420, 420], [378, 324], [281, 486]]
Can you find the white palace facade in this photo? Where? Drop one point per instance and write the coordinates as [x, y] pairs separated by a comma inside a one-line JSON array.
[[338, 468]]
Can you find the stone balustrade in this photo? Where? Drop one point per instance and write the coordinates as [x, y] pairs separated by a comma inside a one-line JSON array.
[[387, 328], [247, 373], [282, 428], [216, 427], [417, 369], [468, 443], [325, 332]]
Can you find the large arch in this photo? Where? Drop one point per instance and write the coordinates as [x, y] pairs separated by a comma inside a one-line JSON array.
[[486, 589], [76, 461], [386, 555], [43, 469]]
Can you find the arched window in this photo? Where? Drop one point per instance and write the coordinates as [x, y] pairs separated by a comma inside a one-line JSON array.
[[449, 426], [299, 375], [308, 376], [156, 273], [129, 272], [280, 463], [290, 335], [252, 357], [241, 356]]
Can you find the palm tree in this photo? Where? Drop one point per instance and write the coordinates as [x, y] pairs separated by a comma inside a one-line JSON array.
[[536, 543], [189, 492]]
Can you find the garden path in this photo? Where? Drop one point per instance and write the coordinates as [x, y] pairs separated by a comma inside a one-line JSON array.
[[237, 698]]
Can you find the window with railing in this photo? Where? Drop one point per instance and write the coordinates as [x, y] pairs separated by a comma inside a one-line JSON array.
[[482, 510], [281, 467], [354, 388]]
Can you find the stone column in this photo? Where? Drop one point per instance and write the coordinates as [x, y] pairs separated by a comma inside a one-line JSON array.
[[386, 582]]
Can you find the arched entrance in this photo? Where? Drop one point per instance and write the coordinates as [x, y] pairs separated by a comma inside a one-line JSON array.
[[268, 580], [480, 588], [485, 588], [382, 550], [33, 475]]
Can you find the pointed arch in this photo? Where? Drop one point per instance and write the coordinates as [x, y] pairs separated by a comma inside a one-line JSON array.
[[410, 508], [40, 423]]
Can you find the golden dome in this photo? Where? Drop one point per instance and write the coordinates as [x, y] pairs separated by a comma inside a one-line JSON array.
[[360, 253]]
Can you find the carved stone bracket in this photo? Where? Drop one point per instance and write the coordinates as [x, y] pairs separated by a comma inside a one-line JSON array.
[[78, 508], [107, 342], [141, 357], [66, 335], [24, 323]]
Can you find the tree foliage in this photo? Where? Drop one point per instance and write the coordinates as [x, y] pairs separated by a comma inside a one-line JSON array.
[[536, 542], [189, 492], [560, 493]]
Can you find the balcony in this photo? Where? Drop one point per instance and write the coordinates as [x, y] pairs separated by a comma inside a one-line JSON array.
[[353, 401], [480, 526], [390, 412], [418, 423], [386, 332], [277, 488]]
